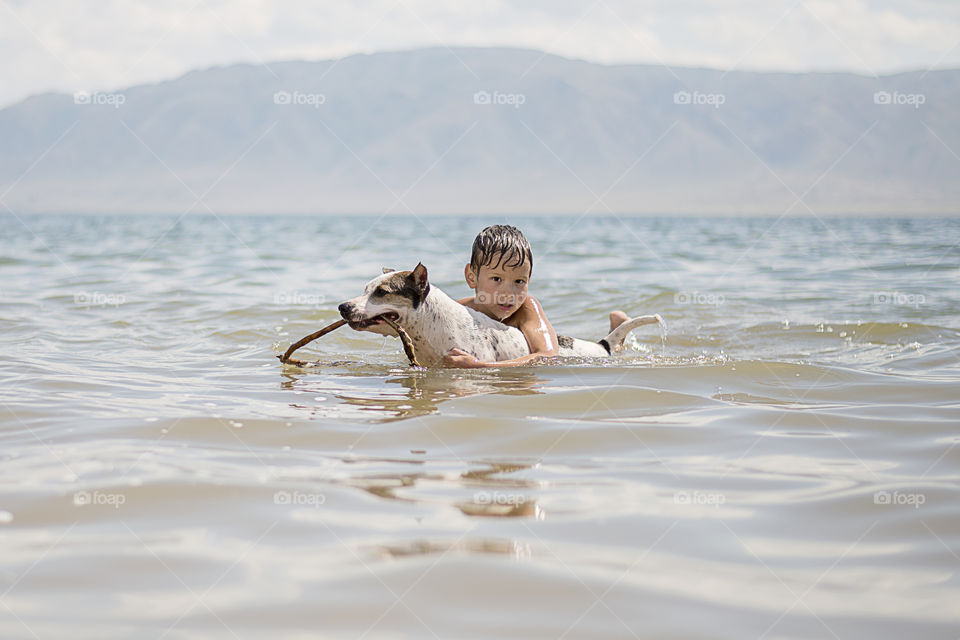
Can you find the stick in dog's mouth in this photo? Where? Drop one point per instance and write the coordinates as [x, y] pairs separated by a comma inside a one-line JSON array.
[[386, 318], [383, 318]]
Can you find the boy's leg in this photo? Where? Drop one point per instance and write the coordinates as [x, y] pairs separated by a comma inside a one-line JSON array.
[[617, 318]]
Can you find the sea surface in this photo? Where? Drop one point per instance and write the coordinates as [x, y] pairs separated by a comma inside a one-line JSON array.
[[780, 460]]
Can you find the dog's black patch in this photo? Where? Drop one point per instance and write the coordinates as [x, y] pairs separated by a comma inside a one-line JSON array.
[[413, 292], [402, 284], [565, 341], [605, 345]]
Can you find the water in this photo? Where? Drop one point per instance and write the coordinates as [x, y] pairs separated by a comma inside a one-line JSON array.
[[782, 463]]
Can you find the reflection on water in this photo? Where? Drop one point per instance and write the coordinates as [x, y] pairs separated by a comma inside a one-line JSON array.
[[511, 548], [492, 492], [507, 506], [410, 393]]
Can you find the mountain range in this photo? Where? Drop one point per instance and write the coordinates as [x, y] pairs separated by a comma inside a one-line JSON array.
[[472, 130]]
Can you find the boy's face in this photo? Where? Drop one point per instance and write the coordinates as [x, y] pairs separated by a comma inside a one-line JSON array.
[[499, 290]]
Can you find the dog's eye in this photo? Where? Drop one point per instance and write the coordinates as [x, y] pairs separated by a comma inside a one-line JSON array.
[[379, 291]]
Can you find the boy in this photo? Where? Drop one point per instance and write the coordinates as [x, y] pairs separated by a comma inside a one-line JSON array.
[[499, 273]]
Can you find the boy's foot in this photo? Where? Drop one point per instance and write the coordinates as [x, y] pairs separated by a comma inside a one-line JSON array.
[[617, 318]]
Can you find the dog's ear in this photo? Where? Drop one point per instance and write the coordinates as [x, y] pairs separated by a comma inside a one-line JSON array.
[[388, 270], [419, 276]]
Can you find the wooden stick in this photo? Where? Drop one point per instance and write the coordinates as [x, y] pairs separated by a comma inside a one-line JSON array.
[[407, 342], [285, 358], [404, 338]]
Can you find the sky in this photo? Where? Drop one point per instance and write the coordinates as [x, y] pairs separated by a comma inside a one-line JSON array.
[[101, 45]]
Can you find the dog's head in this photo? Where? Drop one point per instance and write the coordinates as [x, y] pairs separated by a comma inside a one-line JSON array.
[[395, 295]]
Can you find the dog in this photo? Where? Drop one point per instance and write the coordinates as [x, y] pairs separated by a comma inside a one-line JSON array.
[[436, 323]]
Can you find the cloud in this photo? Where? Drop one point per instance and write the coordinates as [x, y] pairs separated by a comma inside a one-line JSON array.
[[69, 46]]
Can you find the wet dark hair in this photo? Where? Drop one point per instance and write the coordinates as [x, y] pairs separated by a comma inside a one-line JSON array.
[[502, 243]]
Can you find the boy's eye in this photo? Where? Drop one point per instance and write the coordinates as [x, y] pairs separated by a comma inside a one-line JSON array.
[[496, 278], [521, 281]]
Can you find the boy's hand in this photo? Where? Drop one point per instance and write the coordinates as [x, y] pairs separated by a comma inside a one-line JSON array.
[[461, 359]]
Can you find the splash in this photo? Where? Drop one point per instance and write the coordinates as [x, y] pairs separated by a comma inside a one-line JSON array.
[[663, 333]]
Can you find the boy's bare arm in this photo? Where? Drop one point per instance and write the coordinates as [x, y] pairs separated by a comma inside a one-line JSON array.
[[541, 338]]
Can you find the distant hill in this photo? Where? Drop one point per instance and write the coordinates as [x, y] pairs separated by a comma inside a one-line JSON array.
[[490, 130]]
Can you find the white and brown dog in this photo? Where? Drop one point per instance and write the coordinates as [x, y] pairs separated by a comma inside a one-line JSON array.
[[437, 323]]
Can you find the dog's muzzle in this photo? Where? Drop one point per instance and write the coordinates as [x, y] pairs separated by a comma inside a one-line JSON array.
[[356, 321]]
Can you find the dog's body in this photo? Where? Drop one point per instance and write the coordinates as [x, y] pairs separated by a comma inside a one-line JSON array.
[[437, 323]]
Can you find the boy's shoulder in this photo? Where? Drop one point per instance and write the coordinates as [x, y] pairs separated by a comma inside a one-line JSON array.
[[529, 313]]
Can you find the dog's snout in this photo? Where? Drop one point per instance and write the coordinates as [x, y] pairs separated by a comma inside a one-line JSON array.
[[345, 309]]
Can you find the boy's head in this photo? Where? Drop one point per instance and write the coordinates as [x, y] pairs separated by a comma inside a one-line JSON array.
[[499, 270], [501, 244]]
